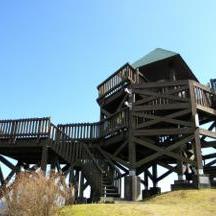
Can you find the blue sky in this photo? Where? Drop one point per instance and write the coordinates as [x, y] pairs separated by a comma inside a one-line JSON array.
[[53, 53]]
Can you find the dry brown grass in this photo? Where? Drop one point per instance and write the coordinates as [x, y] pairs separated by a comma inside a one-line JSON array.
[[33, 194]]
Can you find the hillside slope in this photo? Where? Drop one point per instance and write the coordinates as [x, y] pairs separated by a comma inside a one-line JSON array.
[[178, 203]]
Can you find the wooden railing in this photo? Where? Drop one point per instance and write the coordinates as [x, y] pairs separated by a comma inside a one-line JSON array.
[[25, 128], [117, 80], [90, 131], [70, 149], [43, 128], [81, 131], [162, 93], [114, 123], [204, 96]]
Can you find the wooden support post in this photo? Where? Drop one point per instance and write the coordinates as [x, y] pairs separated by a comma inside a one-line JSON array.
[[180, 170], [131, 143], [197, 145], [154, 174], [44, 158], [76, 184], [146, 180], [1, 177], [201, 180], [53, 166], [80, 185]]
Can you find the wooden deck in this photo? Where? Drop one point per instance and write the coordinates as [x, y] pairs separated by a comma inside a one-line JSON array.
[[149, 125]]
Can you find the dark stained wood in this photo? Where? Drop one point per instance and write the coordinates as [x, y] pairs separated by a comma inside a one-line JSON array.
[[142, 125]]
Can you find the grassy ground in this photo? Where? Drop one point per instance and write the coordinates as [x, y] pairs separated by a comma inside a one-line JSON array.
[[178, 203]]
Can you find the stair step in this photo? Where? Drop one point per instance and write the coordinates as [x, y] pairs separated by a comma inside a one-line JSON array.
[[112, 195], [110, 189]]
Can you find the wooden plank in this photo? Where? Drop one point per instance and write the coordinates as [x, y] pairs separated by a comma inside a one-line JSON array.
[[207, 133], [120, 148], [210, 163], [1, 177], [162, 84], [209, 156], [8, 164], [158, 119], [208, 144], [166, 174], [168, 92], [206, 109], [163, 151], [158, 154], [153, 132], [175, 106], [44, 158], [161, 95]]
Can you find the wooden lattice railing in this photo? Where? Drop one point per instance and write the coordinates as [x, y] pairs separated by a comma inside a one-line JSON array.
[[81, 130], [204, 96], [90, 131], [171, 92], [25, 128], [117, 80]]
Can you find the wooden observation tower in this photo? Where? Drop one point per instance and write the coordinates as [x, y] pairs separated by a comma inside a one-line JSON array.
[[153, 113]]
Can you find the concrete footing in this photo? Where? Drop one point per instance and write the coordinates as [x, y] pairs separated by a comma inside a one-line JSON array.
[[132, 188], [198, 182], [202, 181], [151, 192]]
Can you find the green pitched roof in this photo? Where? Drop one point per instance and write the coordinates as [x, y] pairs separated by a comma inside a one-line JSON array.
[[154, 56]]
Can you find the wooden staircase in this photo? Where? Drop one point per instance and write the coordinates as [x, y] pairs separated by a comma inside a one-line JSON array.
[[99, 173]]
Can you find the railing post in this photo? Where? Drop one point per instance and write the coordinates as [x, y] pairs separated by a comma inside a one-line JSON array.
[[39, 126], [13, 131], [49, 127]]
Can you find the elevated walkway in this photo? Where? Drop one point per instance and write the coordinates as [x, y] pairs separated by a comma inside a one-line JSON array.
[[25, 140]]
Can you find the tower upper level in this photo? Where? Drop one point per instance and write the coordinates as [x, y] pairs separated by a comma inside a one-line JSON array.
[[161, 64], [157, 66]]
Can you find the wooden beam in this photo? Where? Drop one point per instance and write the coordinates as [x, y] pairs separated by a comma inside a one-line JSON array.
[[170, 148], [172, 115], [8, 164], [207, 144], [44, 158], [114, 158], [157, 132], [147, 99], [166, 95], [162, 84], [209, 156], [120, 148], [156, 119], [175, 106], [207, 133], [163, 151], [166, 174], [210, 163], [1, 177], [206, 109]]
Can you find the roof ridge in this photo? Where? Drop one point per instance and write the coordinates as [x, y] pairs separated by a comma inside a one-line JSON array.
[[154, 56]]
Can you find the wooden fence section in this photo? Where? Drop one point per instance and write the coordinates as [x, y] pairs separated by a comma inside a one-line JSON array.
[[25, 128], [117, 80], [91, 131], [204, 96], [160, 95], [81, 131], [115, 123]]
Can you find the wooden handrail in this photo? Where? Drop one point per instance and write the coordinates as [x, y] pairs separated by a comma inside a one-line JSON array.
[[111, 76], [21, 128], [117, 80], [204, 95], [98, 129]]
